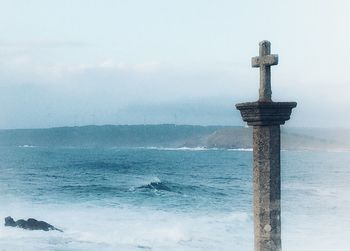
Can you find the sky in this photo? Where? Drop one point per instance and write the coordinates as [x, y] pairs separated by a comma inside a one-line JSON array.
[[80, 62]]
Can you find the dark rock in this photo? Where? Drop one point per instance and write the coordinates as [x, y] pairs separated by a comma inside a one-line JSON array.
[[30, 224], [9, 222]]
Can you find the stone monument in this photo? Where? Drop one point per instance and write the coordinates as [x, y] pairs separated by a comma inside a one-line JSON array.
[[266, 117]]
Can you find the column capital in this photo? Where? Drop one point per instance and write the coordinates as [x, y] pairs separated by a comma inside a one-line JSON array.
[[266, 113]]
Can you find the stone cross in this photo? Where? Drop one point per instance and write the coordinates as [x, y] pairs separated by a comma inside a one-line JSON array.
[[264, 61], [266, 117]]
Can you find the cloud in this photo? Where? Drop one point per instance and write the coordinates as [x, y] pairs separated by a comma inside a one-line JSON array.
[[32, 67], [110, 90], [111, 65], [38, 44]]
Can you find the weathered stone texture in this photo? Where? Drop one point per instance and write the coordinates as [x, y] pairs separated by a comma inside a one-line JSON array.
[[264, 62], [266, 117], [267, 187], [266, 113]]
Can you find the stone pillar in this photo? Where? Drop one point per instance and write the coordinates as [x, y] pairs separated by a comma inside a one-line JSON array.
[[267, 187], [266, 117]]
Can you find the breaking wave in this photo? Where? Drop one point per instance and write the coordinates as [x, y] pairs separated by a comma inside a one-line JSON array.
[[26, 146], [157, 185], [240, 149], [178, 148]]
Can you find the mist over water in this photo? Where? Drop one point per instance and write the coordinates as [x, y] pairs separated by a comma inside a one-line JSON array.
[[167, 198]]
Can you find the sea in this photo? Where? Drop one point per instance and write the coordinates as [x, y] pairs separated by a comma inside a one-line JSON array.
[[167, 199]]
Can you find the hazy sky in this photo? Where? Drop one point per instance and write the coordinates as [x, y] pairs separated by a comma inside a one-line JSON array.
[[78, 62]]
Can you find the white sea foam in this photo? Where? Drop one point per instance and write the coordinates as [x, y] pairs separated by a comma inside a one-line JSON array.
[[241, 149], [197, 149], [179, 148], [88, 227], [148, 180], [91, 227], [26, 146]]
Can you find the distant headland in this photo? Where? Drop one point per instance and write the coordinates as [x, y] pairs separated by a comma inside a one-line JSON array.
[[170, 135]]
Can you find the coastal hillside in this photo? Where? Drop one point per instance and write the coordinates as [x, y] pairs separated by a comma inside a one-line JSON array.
[[109, 136], [168, 135], [291, 138]]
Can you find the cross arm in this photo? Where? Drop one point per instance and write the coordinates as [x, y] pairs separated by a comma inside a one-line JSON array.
[[265, 60]]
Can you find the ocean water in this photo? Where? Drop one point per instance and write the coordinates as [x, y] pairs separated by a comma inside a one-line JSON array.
[[167, 199]]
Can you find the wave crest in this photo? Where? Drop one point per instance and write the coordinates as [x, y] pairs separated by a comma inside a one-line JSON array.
[[156, 185]]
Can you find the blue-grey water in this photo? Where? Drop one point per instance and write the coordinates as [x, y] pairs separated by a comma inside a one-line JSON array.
[[167, 199]]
